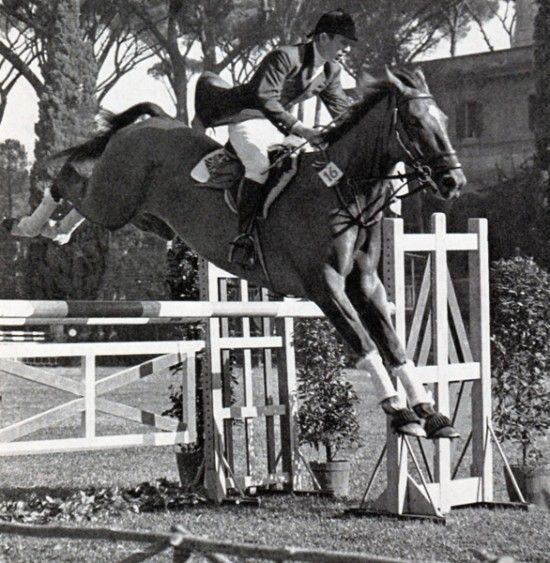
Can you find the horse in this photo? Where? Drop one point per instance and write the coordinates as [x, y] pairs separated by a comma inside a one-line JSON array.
[[321, 240]]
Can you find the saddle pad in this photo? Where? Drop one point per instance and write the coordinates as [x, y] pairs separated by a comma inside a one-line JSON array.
[[221, 170], [209, 167]]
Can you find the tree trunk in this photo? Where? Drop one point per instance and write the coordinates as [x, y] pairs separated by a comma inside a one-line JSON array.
[[180, 90], [67, 107]]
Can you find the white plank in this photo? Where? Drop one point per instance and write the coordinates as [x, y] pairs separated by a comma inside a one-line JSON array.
[[37, 375], [428, 242], [97, 443], [140, 416], [69, 349], [157, 365], [253, 411], [41, 420]]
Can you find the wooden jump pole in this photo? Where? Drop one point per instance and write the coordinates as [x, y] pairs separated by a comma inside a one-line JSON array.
[[65, 312], [185, 543]]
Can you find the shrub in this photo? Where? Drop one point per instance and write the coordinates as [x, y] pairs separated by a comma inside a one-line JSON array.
[[520, 299], [326, 414]]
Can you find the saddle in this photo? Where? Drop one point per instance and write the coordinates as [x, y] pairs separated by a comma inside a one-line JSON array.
[[222, 170]]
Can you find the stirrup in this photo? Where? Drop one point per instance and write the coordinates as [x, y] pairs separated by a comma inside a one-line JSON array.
[[242, 251]]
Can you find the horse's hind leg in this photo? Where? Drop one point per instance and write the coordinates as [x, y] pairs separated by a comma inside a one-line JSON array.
[[368, 296], [32, 225], [62, 231]]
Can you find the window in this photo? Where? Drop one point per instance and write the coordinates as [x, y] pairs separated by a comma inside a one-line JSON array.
[[469, 120]]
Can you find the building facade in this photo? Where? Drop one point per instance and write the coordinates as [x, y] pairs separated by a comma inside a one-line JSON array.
[[488, 98]]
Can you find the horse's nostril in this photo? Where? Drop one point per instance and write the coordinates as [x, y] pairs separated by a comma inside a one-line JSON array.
[[448, 182]]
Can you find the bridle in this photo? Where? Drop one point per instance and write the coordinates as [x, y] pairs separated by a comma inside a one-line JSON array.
[[423, 167], [422, 170]]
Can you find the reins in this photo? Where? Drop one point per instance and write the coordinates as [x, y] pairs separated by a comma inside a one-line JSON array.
[[422, 173], [422, 170]]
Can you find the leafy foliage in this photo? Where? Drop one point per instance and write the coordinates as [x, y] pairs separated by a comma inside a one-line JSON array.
[[326, 414], [14, 194], [182, 276], [177, 402], [523, 231], [94, 503], [520, 295], [14, 178]]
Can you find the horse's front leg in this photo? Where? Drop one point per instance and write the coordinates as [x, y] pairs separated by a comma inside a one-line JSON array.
[[328, 290], [368, 296]]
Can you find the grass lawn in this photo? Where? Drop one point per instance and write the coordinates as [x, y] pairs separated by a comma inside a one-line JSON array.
[[281, 520]]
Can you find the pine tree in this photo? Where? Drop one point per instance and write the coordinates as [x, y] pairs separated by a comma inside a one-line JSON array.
[[67, 107], [14, 195]]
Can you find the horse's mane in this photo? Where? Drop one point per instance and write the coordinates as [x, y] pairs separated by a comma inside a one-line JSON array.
[[372, 91]]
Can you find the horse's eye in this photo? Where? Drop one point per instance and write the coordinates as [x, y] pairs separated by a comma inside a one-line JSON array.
[[414, 122]]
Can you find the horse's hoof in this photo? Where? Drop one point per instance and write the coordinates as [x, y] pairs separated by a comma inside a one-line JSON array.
[[446, 432], [412, 429], [405, 421], [438, 426]]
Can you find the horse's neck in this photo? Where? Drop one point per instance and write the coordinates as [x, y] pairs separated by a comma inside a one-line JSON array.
[[366, 150]]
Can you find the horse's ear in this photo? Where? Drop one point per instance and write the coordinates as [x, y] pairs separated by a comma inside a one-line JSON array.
[[392, 79], [422, 79]]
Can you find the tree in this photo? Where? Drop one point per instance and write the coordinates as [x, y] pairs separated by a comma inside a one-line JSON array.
[[67, 107], [17, 56], [226, 30], [502, 11], [457, 17], [520, 352], [398, 31], [14, 195], [116, 40], [14, 178]]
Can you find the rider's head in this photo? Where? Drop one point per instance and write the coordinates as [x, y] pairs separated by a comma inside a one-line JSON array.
[[333, 34]]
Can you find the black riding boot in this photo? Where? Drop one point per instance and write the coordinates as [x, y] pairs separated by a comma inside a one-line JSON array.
[[249, 201]]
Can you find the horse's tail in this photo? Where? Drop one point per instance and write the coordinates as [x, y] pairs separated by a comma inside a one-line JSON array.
[[110, 124]]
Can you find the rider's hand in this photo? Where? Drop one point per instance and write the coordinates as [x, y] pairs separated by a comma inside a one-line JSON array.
[[313, 136]]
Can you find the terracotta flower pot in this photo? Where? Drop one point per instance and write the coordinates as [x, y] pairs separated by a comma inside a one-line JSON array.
[[534, 483], [333, 476], [188, 466]]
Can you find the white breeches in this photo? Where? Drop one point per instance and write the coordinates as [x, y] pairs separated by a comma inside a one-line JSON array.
[[251, 140]]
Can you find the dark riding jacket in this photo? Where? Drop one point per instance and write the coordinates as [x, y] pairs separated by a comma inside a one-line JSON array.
[[282, 80]]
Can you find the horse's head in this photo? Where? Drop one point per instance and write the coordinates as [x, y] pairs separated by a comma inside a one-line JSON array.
[[421, 129]]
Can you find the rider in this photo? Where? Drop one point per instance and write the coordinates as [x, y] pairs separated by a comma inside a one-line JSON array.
[[257, 112]]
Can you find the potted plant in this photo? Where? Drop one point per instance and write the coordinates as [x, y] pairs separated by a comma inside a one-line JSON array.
[[326, 414], [189, 457], [520, 297]]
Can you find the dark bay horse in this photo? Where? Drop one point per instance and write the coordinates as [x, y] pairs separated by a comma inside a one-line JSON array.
[[319, 242]]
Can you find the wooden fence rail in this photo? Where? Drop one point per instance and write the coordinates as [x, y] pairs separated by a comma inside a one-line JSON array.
[[185, 543]]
